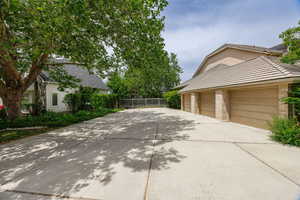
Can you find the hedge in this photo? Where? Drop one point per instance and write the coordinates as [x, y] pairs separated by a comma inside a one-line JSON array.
[[173, 99], [103, 101], [52, 119]]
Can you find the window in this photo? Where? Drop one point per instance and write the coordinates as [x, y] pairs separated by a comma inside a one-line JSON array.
[[54, 99]]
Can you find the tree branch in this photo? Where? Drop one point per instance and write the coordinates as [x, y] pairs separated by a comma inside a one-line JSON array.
[[35, 70], [10, 72]]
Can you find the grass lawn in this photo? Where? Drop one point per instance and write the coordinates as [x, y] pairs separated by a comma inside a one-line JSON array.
[[7, 136]]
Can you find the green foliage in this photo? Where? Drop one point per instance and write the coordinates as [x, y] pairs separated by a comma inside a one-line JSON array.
[[291, 39], [148, 81], [73, 101], [100, 35], [82, 31], [52, 119], [118, 85], [173, 99], [18, 134], [3, 114], [99, 101], [81, 99], [153, 78], [286, 131], [294, 99]]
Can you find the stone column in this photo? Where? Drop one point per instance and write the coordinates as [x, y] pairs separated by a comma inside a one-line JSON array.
[[182, 101], [283, 109], [222, 105], [194, 103]]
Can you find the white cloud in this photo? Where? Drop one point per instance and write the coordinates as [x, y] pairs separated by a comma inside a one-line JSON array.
[[191, 37]]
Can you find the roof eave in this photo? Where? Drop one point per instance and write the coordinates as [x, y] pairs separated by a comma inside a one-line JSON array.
[[278, 80]]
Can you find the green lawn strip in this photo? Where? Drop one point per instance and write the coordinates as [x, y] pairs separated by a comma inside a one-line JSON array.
[[49, 120], [10, 135]]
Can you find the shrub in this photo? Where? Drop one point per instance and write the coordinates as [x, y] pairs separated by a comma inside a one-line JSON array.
[[73, 101], [173, 99], [80, 100], [2, 112], [52, 119], [286, 131], [103, 101]]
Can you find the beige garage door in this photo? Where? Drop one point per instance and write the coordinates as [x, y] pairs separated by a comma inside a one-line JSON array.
[[254, 107], [187, 102], [207, 104]]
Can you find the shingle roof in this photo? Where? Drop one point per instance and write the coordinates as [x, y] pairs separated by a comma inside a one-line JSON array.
[[267, 51], [262, 68], [86, 79], [252, 48], [183, 84], [279, 47]]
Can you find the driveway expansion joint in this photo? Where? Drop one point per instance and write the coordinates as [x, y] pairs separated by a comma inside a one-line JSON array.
[[150, 162], [268, 165], [50, 195]]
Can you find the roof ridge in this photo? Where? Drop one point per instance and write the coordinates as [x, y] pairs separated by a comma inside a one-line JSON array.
[[278, 67]]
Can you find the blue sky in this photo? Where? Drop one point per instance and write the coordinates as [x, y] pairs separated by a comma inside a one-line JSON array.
[[194, 28]]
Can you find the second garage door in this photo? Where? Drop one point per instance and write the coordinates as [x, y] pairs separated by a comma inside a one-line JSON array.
[[254, 107], [207, 104]]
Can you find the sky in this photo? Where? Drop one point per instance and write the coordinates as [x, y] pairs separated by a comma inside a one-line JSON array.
[[194, 28]]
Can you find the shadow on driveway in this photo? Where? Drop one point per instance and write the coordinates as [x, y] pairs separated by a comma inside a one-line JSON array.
[[93, 158]]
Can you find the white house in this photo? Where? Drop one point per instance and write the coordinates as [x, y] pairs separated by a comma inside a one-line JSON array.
[[52, 98]]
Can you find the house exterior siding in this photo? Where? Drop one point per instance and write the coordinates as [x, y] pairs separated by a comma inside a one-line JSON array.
[[253, 106], [241, 83], [52, 88], [229, 57]]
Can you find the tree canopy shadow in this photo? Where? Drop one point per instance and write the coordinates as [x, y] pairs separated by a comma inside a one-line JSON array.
[[70, 159]]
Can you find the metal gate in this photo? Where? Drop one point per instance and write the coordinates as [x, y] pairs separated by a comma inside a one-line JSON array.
[[142, 103]]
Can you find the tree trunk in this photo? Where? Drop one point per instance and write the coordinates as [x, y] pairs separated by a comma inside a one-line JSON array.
[[36, 103], [12, 103]]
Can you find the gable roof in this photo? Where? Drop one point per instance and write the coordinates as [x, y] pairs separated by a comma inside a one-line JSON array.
[[262, 68], [258, 49], [183, 84], [86, 78], [280, 47]]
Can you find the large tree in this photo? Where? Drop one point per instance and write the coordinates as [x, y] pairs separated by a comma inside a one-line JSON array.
[[291, 39], [156, 77], [91, 32]]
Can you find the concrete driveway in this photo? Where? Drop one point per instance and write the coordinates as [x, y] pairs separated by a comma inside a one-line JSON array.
[[153, 154]]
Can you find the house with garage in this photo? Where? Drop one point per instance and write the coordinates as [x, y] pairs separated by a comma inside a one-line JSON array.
[[51, 98], [241, 83]]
